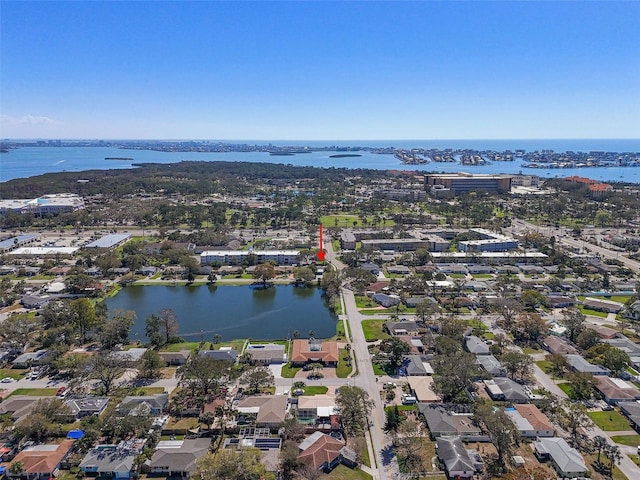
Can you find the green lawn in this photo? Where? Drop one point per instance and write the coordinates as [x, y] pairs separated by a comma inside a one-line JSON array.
[[630, 440], [288, 371], [457, 275], [343, 370], [362, 301], [36, 392], [566, 388], [377, 311], [373, 330], [610, 421], [482, 275], [345, 473], [635, 459], [15, 373], [176, 347], [315, 390], [545, 366], [594, 313]]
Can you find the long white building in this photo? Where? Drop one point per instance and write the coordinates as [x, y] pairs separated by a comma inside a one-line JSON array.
[[236, 257], [42, 206]]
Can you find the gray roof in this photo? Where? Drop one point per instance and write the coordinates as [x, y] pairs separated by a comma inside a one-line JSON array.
[[109, 458], [441, 421], [476, 346], [579, 364], [632, 411], [453, 454], [566, 458], [491, 364], [179, 456], [624, 344], [228, 355], [109, 241], [413, 365], [156, 401], [87, 405], [512, 390]]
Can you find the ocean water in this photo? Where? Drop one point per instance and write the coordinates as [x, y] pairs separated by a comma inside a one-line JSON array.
[[29, 161]]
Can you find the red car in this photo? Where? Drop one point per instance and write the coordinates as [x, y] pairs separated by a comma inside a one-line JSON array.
[[61, 391]]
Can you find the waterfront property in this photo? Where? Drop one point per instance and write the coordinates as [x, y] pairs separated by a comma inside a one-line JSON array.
[[238, 257]]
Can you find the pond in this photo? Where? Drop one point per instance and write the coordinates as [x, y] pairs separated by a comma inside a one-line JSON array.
[[233, 312]]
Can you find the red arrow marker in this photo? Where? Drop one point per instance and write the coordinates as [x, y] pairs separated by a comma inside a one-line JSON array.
[[321, 251]]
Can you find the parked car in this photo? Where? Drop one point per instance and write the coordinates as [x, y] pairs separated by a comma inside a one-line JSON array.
[[7, 380], [60, 391]]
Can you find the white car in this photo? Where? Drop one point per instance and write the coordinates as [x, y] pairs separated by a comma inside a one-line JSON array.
[[6, 380]]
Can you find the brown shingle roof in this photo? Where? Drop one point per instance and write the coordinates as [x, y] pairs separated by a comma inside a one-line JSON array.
[[534, 416], [324, 450], [43, 461], [301, 353]]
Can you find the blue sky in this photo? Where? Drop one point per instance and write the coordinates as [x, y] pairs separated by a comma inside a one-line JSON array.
[[320, 70]]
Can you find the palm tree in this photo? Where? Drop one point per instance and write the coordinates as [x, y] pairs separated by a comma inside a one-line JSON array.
[[216, 338], [599, 443], [614, 455], [312, 334], [296, 334]]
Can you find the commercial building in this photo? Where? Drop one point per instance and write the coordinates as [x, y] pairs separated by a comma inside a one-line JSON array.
[[110, 241], [489, 242], [237, 257], [459, 183], [399, 244], [46, 205]]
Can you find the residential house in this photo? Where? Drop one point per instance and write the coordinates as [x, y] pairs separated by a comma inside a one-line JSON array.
[[177, 458], [558, 345], [530, 421], [402, 328], [312, 350], [476, 345], [602, 331], [416, 366], [269, 410], [561, 301], [29, 359], [491, 365], [266, 353], [175, 358], [41, 462], [633, 311], [317, 410], [422, 389], [566, 461], [577, 363], [113, 461], [85, 406], [632, 411], [616, 390], [226, 354], [458, 461], [322, 452], [18, 406], [602, 305], [444, 420], [505, 389], [386, 300], [398, 270], [151, 404]]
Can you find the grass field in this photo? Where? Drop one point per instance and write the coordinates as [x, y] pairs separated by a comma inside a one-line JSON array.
[[288, 371], [315, 390], [176, 347], [343, 371], [630, 440], [373, 330], [345, 473], [35, 392], [15, 373], [593, 313], [610, 421]]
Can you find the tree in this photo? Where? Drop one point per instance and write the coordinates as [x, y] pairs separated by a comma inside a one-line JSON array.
[[115, 330], [395, 349], [426, 310], [599, 443], [500, 428], [393, 419], [615, 359], [453, 373], [408, 443], [264, 272], [573, 417], [559, 363], [355, 408], [257, 378], [106, 369], [289, 459], [83, 317], [581, 385], [243, 464], [168, 323], [587, 338], [516, 363], [532, 299], [530, 328], [573, 320], [509, 308], [304, 274], [614, 455], [203, 375], [150, 364], [16, 468]]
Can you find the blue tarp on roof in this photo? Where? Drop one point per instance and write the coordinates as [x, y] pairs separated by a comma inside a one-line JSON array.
[[75, 434]]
